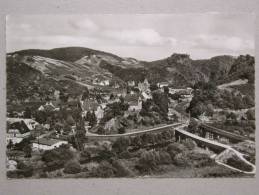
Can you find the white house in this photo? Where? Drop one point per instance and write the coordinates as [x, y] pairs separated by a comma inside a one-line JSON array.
[[134, 101], [131, 83], [19, 128], [99, 113], [48, 106], [16, 135], [162, 84], [101, 82], [30, 123], [145, 86], [104, 83], [47, 143]]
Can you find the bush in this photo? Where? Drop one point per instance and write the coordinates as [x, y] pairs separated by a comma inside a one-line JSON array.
[[175, 148], [181, 160], [62, 154], [105, 169], [165, 158], [72, 167], [200, 159], [121, 170], [125, 155], [190, 144], [23, 170], [85, 156], [53, 165], [121, 144]]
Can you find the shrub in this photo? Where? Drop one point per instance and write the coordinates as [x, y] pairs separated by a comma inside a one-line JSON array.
[[72, 167], [165, 158], [181, 160], [24, 170], [85, 156], [121, 170], [175, 148], [121, 144], [59, 155], [190, 144], [105, 169]]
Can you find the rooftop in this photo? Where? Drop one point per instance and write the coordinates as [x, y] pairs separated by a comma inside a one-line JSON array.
[[47, 141]]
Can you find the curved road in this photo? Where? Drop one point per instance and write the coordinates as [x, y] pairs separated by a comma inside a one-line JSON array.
[[135, 132]]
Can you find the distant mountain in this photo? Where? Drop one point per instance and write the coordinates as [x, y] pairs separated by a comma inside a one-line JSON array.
[[69, 54], [78, 67]]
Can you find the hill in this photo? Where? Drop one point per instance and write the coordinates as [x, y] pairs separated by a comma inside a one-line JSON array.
[[80, 66]]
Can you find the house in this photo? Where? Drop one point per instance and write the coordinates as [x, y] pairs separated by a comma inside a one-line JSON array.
[[47, 143], [56, 94], [30, 123], [99, 113], [145, 86], [146, 95], [162, 84], [49, 106], [89, 105], [131, 83], [97, 81], [183, 91], [11, 165], [17, 131], [134, 101]]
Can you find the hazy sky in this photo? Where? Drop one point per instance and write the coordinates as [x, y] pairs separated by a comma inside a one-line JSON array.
[[145, 37]]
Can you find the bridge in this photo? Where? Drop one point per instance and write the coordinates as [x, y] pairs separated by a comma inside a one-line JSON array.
[[217, 147], [181, 134], [217, 133]]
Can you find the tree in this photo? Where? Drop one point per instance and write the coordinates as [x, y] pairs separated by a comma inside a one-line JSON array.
[[100, 130], [72, 167], [161, 100], [93, 119], [250, 115], [27, 113], [85, 94], [121, 144], [10, 144], [27, 151], [121, 130], [70, 120], [153, 87], [80, 135], [166, 90], [193, 126]]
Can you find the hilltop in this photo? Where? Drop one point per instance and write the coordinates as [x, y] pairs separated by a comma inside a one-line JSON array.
[[81, 67]]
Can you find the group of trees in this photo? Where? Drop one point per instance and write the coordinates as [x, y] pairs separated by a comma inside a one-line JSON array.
[[123, 143], [91, 118], [207, 97], [56, 158], [114, 109]]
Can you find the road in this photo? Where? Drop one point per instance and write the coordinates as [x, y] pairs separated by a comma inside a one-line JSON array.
[[135, 132]]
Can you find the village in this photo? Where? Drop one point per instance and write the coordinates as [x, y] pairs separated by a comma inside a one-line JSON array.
[[98, 111], [84, 122]]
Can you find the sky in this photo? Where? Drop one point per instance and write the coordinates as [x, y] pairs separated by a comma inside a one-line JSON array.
[[142, 36]]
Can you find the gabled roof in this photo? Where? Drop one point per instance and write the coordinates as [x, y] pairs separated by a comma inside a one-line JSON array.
[[131, 98], [90, 105], [47, 141], [19, 126]]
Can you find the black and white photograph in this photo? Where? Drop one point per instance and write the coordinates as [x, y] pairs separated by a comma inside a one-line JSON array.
[[130, 96]]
